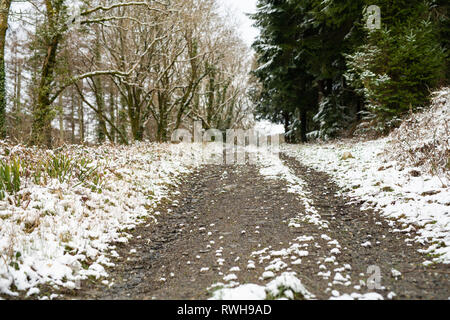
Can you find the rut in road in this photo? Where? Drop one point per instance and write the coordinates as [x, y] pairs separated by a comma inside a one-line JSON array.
[[388, 250], [222, 215]]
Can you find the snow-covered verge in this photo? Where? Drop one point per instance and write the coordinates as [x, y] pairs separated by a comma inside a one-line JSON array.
[[62, 214], [366, 172]]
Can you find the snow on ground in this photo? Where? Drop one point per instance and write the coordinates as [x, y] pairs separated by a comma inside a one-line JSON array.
[[284, 286], [273, 168], [419, 203], [287, 284], [267, 128], [367, 173], [64, 232]]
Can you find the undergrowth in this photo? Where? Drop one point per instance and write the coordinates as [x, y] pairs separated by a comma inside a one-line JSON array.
[[19, 169], [423, 139]]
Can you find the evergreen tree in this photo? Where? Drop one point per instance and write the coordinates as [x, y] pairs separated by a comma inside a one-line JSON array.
[[287, 89], [317, 60], [331, 28], [398, 64], [302, 66]]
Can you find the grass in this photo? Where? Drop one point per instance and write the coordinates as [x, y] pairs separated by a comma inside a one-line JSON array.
[[30, 226], [214, 289], [60, 166], [18, 170], [281, 294], [9, 177], [15, 260]]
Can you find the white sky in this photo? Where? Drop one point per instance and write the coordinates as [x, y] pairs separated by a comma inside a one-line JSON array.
[[241, 7], [248, 33]]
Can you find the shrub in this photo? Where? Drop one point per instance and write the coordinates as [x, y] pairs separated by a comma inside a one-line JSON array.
[[9, 177], [423, 139], [395, 70]]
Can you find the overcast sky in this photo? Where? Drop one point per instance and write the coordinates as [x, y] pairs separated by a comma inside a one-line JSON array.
[[241, 7]]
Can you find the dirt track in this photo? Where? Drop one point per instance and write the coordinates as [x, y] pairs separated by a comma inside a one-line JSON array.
[[225, 213]]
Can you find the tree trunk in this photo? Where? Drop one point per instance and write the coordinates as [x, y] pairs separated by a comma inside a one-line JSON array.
[[162, 130], [136, 128], [211, 96], [359, 104], [72, 119], [135, 119], [43, 113], [100, 101], [4, 13], [123, 126], [81, 120], [286, 125], [99, 95], [321, 85], [18, 88], [303, 125], [112, 114], [61, 120]]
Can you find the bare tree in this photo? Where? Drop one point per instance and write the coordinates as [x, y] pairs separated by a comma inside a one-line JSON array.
[[55, 29], [132, 70]]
